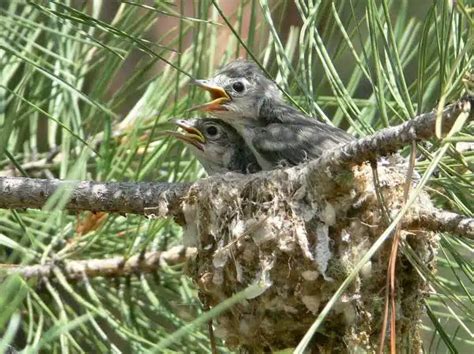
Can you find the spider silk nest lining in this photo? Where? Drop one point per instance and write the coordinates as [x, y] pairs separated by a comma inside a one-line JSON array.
[[299, 240]]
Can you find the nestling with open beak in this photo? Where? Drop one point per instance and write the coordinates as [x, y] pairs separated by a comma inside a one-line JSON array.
[[277, 133], [217, 146]]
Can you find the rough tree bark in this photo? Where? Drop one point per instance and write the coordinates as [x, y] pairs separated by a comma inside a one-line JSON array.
[[297, 232]]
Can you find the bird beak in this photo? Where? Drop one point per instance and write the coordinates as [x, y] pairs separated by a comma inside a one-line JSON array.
[[191, 135], [218, 94]]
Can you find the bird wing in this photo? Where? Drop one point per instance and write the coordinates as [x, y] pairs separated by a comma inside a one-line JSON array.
[[293, 143], [243, 160], [287, 136]]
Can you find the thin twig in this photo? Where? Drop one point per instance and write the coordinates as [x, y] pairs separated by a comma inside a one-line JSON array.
[[108, 267]]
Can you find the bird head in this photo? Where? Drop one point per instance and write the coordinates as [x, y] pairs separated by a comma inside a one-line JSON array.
[[213, 142], [237, 91]]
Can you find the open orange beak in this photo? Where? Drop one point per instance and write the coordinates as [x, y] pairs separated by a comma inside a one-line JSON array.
[[218, 95], [191, 135]]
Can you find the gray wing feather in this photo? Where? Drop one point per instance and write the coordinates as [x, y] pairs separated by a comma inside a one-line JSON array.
[[287, 136], [293, 144]]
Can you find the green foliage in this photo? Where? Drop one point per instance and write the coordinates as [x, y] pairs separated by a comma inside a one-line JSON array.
[[85, 92]]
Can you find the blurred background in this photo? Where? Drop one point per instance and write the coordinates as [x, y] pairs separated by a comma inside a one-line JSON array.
[[86, 87]]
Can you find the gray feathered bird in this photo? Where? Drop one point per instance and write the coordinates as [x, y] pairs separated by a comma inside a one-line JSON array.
[[217, 146], [277, 133]]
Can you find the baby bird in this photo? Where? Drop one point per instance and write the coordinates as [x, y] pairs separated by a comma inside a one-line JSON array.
[[217, 146], [277, 133]]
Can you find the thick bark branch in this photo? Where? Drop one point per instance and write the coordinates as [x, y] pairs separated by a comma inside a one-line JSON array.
[[389, 140], [164, 199], [161, 199], [443, 221], [109, 267]]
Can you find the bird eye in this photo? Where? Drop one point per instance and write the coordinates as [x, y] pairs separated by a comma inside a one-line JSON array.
[[211, 131], [238, 86]]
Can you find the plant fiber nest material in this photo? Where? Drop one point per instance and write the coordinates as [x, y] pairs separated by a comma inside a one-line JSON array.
[[299, 243]]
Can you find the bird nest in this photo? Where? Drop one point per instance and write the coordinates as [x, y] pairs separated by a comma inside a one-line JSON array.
[[299, 241]]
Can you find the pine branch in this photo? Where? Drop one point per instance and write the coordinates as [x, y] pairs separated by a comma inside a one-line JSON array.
[[110, 267], [201, 206], [160, 199], [389, 140], [164, 199], [442, 221]]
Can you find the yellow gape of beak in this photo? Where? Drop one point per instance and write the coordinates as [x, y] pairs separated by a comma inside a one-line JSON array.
[[218, 94], [191, 135]]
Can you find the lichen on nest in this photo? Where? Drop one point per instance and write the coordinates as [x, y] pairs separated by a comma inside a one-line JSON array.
[[299, 241]]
